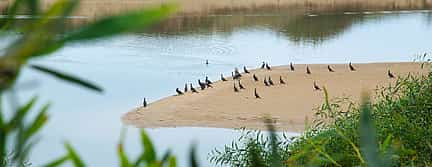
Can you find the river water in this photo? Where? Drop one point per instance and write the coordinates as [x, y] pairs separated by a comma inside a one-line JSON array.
[[152, 64]]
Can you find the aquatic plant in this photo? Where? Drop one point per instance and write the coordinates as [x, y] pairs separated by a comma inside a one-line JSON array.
[[393, 130]]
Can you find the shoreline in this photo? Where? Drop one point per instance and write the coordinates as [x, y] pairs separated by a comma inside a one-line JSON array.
[[98, 8], [290, 106]]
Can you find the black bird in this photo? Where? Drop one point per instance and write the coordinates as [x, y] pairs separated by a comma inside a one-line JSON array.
[[240, 85], [267, 66], [281, 81], [351, 67], [256, 94], [223, 79], [291, 67], [235, 88], [329, 68], [207, 63], [202, 85], [208, 85], [263, 65], [237, 73], [208, 81], [179, 92], [144, 102], [255, 78], [265, 82], [270, 81], [245, 70], [193, 89], [316, 87], [390, 74], [185, 88], [308, 70]]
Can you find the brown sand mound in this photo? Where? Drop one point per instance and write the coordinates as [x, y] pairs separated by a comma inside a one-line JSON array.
[[289, 105]]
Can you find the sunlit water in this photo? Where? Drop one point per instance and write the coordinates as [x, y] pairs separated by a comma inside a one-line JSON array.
[[152, 65]]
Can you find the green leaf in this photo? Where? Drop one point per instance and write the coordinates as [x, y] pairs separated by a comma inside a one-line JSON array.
[[172, 162], [37, 123], [12, 10], [67, 77], [149, 151], [192, 157], [21, 113], [276, 160], [76, 160], [124, 162], [57, 162], [119, 24], [368, 139]]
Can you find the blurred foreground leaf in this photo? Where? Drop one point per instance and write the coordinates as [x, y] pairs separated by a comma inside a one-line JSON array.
[[67, 77]]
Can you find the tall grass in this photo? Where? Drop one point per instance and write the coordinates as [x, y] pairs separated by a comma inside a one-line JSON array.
[[398, 132]]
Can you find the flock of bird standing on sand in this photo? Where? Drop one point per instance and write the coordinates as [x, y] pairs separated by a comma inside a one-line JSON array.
[[236, 76]]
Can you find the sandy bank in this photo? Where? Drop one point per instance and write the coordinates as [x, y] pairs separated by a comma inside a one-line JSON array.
[[289, 105]]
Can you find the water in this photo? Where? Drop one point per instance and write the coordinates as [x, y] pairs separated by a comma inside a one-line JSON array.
[[152, 64]]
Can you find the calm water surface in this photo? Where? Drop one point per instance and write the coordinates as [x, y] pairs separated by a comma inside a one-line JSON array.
[[152, 64]]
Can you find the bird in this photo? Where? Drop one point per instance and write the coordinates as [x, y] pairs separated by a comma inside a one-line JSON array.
[[207, 63], [255, 78], [185, 88], [179, 92], [256, 94], [222, 78], [291, 67], [270, 81], [208, 85], [329, 68], [208, 81], [281, 81], [267, 66], [265, 82], [236, 74], [193, 89], [235, 88], [308, 70], [245, 70], [390, 74], [240, 85], [144, 102], [316, 87], [351, 67], [263, 65], [202, 85]]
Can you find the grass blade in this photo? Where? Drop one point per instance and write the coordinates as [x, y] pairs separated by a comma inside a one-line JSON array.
[[21, 113], [120, 24], [124, 162], [368, 139], [192, 157], [57, 162], [37, 123], [149, 152], [67, 77], [76, 160]]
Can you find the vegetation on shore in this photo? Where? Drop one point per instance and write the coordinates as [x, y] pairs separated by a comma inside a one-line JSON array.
[[401, 123]]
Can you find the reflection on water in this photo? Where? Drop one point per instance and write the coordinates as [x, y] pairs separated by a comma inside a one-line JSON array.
[[152, 64], [299, 28]]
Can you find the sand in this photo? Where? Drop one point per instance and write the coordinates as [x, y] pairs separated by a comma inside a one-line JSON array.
[[290, 105]]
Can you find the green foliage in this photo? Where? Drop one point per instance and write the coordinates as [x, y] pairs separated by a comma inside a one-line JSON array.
[[44, 34], [393, 130]]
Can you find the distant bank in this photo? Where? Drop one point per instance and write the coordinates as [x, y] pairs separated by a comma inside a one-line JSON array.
[[95, 8]]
